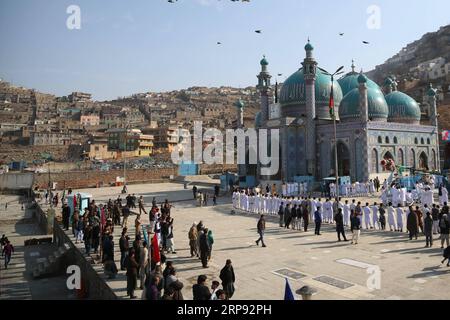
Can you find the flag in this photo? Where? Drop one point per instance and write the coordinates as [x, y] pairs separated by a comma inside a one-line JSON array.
[[288, 295], [445, 135], [156, 257], [331, 104]]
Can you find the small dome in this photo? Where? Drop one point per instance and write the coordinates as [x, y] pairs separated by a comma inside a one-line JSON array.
[[388, 81], [239, 104], [378, 108], [258, 120], [350, 82], [309, 46], [402, 108], [264, 62], [362, 78]]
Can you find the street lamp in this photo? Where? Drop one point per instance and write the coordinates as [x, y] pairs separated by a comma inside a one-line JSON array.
[[125, 159], [333, 114]]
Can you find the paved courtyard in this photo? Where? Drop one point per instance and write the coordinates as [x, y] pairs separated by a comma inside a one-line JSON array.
[[336, 270]]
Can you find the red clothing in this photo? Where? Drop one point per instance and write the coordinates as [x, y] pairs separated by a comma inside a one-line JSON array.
[[8, 249]]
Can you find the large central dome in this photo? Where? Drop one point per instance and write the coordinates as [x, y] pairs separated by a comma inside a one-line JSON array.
[[293, 97]]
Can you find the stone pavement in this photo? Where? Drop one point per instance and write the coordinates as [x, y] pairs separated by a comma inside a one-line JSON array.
[[337, 270]]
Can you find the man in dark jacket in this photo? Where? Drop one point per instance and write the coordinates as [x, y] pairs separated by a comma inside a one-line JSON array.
[[261, 227], [228, 279], [318, 220], [428, 230], [132, 272], [200, 290], [66, 216], [281, 214], [305, 212], [124, 247], [125, 214], [339, 219], [287, 216], [204, 248]]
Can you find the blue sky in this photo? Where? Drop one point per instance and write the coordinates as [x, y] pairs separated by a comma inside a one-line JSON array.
[[126, 47]]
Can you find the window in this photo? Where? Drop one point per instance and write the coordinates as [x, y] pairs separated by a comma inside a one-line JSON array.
[[395, 140], [416, 141], [422, 141], [428, 141], [387, 140], [380, 139]]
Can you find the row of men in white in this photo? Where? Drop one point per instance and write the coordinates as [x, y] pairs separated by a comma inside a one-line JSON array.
[[354, 190], [422, 194], [370, 217]]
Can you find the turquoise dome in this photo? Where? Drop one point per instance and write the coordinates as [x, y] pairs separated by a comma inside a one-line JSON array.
[[378, 108], [350, 82], [264, 62], [309, 46], [293, 97], [258, 120], [402, 108], [362, 78]]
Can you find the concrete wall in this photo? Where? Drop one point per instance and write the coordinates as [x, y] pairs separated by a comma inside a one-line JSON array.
[[16, 181], [94, 286], [87, 179]]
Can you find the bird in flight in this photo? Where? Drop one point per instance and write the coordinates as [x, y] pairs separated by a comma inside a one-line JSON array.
[[365, 42], [280, 74], [219, 42], [341, 34], [171, 1], [258, 31]]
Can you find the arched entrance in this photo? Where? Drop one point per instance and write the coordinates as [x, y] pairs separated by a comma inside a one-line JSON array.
[[423, 161], [343, 154], [401, 157], [375, 164]]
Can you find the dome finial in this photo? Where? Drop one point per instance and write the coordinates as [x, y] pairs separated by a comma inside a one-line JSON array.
[[264, 61], [309, 46], [353, 66], [362, 78], [431, 91]]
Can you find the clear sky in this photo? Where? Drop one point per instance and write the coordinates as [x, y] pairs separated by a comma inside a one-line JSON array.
[[125, 47]]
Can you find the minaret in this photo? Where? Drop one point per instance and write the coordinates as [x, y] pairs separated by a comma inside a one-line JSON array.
[[240, 113], [309, 72], [264, 89], [363, 100], [394, 83], [387, 86], [432, 101], [353, 67]]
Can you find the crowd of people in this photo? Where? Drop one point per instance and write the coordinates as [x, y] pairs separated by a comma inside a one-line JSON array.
[[402, 215]]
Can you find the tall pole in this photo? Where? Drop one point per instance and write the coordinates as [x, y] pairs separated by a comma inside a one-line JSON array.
[[336, 170], [125, 158]]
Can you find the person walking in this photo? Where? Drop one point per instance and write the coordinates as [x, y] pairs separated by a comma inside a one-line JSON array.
[[318, 220], [444, 227], [339, 219], [412, 224], [228, 278], [261, 227], [200, 290], [428, 230], [7, 251], [204, 248], [355, 227], [132, 270], [141, 205], [435, 217], [125, 215]]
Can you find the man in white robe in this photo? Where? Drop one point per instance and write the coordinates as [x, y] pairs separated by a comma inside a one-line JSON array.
[[367, 217]]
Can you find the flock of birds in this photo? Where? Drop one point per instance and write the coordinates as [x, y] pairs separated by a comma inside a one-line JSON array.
[[260, 31]]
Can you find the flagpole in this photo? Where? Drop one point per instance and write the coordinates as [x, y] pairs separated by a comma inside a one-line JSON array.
[[336, 170]]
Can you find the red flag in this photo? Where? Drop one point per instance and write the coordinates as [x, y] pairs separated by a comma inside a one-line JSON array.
[[331, 104], [156, 257]]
